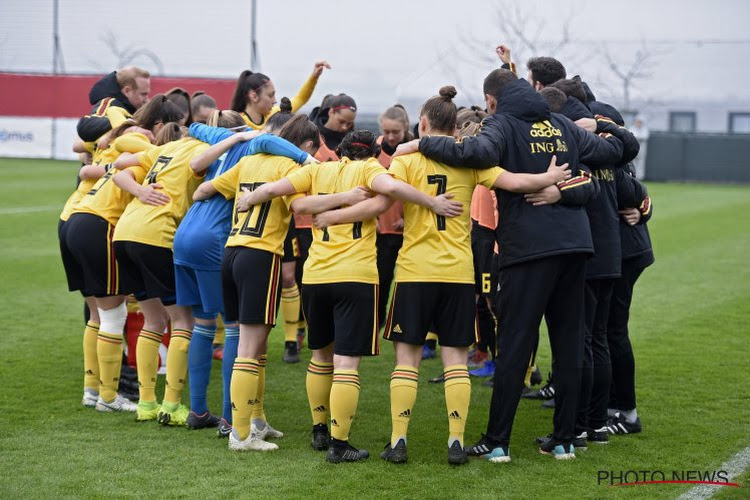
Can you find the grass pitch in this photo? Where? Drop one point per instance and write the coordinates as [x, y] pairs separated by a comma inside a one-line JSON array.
[[689, 328]]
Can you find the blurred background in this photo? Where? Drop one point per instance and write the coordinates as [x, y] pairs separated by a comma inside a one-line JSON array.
[[678, 66]]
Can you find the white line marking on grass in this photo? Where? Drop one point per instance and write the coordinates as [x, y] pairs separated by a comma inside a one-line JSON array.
[[28, 210], [735, 466]]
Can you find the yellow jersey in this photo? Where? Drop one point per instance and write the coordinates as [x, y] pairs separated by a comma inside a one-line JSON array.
[[264, 226], [298, 101], [169, 166], [345, 252], [104, 198], [436, 248]]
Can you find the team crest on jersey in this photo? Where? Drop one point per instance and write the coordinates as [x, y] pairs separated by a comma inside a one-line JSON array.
[[544, 129], [561, 146]]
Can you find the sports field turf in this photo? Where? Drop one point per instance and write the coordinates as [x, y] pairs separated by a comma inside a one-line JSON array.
[[690, 325]]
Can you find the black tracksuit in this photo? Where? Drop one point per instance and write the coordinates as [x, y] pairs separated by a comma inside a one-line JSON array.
[[637, 255], [543, 250], [92, 127]]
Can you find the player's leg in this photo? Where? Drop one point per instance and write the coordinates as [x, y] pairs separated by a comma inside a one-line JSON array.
[[173, 412], [290, 308]]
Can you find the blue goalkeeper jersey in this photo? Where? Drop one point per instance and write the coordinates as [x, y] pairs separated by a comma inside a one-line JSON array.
[[202, 234]]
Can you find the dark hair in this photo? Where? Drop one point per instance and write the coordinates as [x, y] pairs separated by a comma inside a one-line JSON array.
[[571, 88], [546, 70], [555, 97], [279, 118], [300, 129], [474, 114], [336, 102], [247, 82], [358, 145], [201, 100], [158, 110], [440, 110], [169, 132], [496, 81], [181, 98]]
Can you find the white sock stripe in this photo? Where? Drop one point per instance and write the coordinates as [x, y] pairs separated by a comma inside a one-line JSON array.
[[204, 331], [232, 331]]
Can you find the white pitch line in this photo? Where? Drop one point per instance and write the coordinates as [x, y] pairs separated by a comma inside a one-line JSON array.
[[27, 210], [735, 466]]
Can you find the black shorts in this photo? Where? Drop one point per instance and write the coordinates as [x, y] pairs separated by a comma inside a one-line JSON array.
[[73, 271], [146, 271], [251, 282], [91, 255], [448, 309], [343, 313], [483, 248], [291, 247]]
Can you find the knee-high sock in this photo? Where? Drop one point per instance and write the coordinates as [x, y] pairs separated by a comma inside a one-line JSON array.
[[344, 400], [457, 396], [431, 336], [177, 364], [318, 383], [231, 340], [147, 359], [200, 356], [220, 331], [109, 354], [244, 392], [403, 396], [90, 360], [259, 414], [290, 305]]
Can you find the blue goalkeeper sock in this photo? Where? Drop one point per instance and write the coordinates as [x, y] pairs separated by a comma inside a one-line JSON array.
[[200, 356], [230, 352]]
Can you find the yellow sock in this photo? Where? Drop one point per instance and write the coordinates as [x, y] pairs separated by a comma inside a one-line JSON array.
[[220, 331], [318, 383], [258, 412], [90, 360], [403, 395], [147, 359], [457, 396], [177, 361], [244, 390], [431, 336], [109, 354], [344, 399], [290, 310]]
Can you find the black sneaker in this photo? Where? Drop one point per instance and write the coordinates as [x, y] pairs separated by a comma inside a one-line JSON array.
[[342, 451], [456, 454], [395, 455], [598, 436], [128, 372], [536, 377], [224, 430], [579, 443], [546, 392], [559, 450], [437, 380], [291, 352], [127, 385], [618, 424], [320, 438], [195, 421], [482, 447], [550, 403]]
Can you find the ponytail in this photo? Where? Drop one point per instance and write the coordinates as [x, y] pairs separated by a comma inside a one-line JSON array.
[[247, 82]]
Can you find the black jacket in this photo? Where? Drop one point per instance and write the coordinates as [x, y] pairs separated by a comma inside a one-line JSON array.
[[522, 136], [94, 125], [635, 240]]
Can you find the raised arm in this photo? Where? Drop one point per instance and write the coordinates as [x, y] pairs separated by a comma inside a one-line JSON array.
[[441, 205], [308, 87]]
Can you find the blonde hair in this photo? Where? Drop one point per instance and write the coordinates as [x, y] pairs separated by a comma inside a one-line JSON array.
[[225, 118], [126, 76], [169, 132]]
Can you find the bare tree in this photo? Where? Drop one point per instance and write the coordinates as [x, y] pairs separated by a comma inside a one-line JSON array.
[[128, 55], [630, 73]]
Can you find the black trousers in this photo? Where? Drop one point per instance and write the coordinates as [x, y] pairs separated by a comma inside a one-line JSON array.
[[596, 375], [487, 327], [622, 390], [388, 246], [551, 287]]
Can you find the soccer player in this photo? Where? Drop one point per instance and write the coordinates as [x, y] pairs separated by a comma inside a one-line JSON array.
[[255, 95], [251, 270], [235, 148], [543, 250], [201, 106], [340, 293], [88, 235], [435, 278]]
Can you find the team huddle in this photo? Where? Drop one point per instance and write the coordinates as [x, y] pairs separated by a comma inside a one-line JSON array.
[[524, 208]]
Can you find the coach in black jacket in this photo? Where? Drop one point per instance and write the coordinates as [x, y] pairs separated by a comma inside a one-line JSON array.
[[543, 250]]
